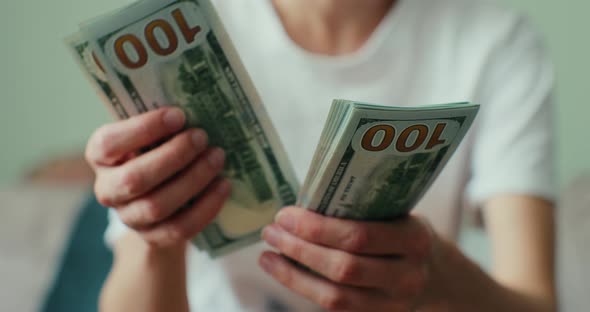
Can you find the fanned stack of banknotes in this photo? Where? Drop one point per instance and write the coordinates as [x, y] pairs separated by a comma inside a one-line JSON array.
[[372, 162]]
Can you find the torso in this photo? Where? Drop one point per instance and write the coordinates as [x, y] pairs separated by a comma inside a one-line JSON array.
[[419, 54]]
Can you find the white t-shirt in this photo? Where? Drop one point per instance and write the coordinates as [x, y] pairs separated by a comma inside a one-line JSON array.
[[423, 52]]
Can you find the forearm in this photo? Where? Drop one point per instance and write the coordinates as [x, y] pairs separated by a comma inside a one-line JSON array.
[[145, 279], [472, 289]]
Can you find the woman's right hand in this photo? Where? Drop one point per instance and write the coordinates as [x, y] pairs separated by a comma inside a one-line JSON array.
[[148, 189]]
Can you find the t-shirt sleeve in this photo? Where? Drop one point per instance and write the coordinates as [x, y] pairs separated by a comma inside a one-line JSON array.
[[513, 138], [115, 229]]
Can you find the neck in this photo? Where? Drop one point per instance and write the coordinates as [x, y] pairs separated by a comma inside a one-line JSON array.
[[331, 27]]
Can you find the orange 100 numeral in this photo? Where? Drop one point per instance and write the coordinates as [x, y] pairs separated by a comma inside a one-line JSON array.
[[402, 144], [189, 34]]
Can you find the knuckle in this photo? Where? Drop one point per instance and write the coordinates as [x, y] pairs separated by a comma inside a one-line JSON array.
[[130, 183], [127, 219], [348, 270], [334, 301], [150, 211], [214, 160], [174, 234], [100, 146], [357, 238], [102, 198]]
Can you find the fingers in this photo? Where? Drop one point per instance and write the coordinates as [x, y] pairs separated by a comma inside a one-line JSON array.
[[165, 200], [152, 191], [116, 186], [328, 295], [409, 237], [190, 221], [403, 277], [113, 142]]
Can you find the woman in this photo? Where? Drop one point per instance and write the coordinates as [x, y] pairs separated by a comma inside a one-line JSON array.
[[301, 54]]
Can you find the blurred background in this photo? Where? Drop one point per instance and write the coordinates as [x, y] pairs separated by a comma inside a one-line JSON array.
[[49, 110], [51, 107]]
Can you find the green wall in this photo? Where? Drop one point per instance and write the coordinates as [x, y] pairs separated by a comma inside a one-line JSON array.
[[48, 107], [566, 27]]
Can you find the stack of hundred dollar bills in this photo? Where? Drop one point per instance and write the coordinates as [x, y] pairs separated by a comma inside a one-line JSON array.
[[176, 52], [373, 162]]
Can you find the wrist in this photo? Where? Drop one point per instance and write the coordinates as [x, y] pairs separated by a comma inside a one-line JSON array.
[[152, 256], [154, 277]]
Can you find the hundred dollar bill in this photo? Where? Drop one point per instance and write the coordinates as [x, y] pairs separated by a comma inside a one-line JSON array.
[[81, 51], [375, 162], [176, 52]]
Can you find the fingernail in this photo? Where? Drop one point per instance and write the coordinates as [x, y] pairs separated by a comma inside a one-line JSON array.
[[199, 138], [267, 263], [271, 235], [224, 188], [216, 158], [174, 119], [286, 221]]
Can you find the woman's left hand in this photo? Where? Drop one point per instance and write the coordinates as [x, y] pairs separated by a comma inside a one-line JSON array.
[[359, 266]]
